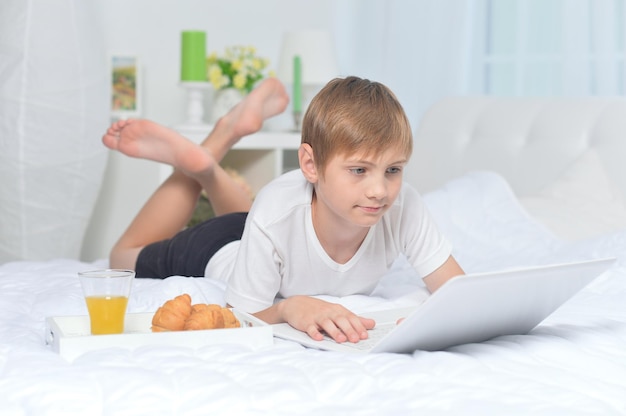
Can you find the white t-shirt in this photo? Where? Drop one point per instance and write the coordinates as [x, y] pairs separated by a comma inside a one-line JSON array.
[[280, 256]]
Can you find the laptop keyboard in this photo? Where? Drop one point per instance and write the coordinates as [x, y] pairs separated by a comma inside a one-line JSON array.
[[374, 336]]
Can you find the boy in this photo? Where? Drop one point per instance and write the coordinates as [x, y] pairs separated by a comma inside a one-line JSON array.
[[334, 227]]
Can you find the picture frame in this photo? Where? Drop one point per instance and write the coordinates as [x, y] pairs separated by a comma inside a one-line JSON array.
[[125, 78]]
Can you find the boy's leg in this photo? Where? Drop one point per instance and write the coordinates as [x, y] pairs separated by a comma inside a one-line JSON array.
[[195, 167]]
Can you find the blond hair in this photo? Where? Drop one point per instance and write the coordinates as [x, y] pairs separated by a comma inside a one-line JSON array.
[[353, 115]]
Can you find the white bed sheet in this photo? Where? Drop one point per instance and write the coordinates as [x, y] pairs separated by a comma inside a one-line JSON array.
[[574, 363]]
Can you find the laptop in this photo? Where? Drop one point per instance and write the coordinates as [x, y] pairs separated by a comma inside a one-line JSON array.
[[468, 309]]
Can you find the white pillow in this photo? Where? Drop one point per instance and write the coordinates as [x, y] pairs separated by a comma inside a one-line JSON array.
[[487, 226], [583, 203]]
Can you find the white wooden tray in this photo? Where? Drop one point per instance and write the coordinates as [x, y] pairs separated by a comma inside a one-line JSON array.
[[70, 336]]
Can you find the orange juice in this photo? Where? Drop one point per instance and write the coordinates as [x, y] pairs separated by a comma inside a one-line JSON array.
[[106, 314]]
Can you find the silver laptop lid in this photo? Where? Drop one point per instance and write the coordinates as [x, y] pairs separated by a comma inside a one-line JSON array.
[[478, 307]]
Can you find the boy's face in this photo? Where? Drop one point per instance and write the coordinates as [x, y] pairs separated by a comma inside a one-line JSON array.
[[358, 189]]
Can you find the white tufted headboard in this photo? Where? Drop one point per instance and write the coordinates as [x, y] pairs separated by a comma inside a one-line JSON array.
[[530, 141]]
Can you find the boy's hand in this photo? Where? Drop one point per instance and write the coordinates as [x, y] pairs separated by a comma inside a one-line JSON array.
[[313, 316]]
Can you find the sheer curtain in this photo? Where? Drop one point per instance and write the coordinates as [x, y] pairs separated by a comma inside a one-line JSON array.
[[554, 47], [427, 49], [422, 49], [53, 110]]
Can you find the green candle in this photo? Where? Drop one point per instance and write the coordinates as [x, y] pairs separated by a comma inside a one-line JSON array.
[[193, 56], [297, 84]]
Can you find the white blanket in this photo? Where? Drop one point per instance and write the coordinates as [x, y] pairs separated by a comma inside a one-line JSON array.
[[574, 363]]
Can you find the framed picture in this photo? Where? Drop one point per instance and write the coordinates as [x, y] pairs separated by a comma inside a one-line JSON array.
[[125, 86]]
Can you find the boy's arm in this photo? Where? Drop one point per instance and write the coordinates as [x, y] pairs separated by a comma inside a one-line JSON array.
[[449, 269], [315, 316]]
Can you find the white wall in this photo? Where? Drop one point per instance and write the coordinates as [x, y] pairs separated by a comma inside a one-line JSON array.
[[151, 30]]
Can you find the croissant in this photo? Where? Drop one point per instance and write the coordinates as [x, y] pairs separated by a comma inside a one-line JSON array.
[[205, 317], [173, 314], [179, 314], [211, 317], [230, 320]]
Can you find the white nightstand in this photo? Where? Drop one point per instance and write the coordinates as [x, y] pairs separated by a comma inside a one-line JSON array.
[[259, 158]]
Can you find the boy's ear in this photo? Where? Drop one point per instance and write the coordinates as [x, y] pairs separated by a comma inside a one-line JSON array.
[[307, 162]]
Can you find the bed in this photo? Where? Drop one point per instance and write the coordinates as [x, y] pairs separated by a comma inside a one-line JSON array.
[[512, 182]]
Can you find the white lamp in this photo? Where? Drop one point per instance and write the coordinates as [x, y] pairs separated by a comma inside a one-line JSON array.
[[318, 61]]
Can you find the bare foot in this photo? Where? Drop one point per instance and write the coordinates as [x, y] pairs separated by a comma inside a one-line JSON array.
[[145, 139], [266, 100]]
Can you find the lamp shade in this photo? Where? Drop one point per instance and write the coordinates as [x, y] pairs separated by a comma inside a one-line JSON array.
[[317, 56]]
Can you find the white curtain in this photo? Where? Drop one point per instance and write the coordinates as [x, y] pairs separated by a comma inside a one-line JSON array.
[[427, 49], [422, 49], [594, 61], [554, 47], [53, 111]]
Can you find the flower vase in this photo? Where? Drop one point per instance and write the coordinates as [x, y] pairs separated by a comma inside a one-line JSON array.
[[223, 101]]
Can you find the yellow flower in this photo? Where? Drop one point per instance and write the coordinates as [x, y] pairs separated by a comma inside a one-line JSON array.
[[216, 76], [257, 64], [237, 64], [239, 81], [238, 68]]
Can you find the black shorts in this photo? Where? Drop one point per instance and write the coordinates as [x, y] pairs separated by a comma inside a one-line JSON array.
[[189, 251]]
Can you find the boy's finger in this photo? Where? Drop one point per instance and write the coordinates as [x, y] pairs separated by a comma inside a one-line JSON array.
[[361, 325], [334, 331], [314, 333], [368, 323], [352, 328]]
